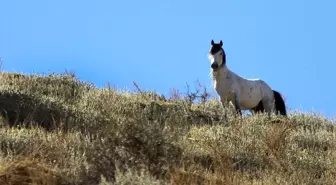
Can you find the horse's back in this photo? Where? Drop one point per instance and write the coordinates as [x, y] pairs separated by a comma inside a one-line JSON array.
[[265, 90], [252, 91]]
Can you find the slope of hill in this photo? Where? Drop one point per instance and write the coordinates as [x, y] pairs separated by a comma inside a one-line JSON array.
[[56, 129]]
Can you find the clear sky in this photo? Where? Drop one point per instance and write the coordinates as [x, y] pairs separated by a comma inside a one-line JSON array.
[[164, 44]]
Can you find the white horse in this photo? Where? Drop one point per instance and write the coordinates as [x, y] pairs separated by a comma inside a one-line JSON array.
[[252, 94]]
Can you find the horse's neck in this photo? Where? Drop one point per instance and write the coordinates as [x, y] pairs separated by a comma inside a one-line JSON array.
[[221, 73]]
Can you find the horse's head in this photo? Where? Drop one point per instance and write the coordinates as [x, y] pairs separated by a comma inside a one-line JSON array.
[[217, 55]]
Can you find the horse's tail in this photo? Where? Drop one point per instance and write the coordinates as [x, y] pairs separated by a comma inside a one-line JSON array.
[[280, 106]]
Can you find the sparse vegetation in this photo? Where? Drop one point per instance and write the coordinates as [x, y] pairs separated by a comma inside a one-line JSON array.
[[57, 129]]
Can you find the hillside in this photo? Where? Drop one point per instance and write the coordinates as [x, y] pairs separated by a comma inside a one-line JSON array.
[[57, 129]]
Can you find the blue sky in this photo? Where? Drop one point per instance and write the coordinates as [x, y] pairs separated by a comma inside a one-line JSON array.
[[164, 44]]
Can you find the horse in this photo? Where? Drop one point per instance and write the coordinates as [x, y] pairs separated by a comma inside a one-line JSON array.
[[245, 94]]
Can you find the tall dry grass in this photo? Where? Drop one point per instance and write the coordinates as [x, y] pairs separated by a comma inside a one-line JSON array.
[[57, 129]]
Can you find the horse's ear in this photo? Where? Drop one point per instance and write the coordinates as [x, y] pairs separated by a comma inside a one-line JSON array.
[[221, 43], [212, 42]]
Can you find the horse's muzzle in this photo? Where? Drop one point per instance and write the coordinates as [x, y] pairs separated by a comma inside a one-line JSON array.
[[214, 66]]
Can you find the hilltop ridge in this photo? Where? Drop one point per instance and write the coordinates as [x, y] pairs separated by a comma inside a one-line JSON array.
[[57, 129]]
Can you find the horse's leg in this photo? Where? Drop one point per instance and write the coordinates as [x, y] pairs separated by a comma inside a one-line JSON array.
[[258, 109], [223, 100], [268, 104], [237, 104]]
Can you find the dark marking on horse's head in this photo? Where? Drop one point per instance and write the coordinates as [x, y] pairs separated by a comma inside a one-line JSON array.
[[214, 66], [215, 48]]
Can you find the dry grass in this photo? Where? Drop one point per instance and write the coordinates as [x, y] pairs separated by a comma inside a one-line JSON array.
[[57, 129], [26, 172]]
